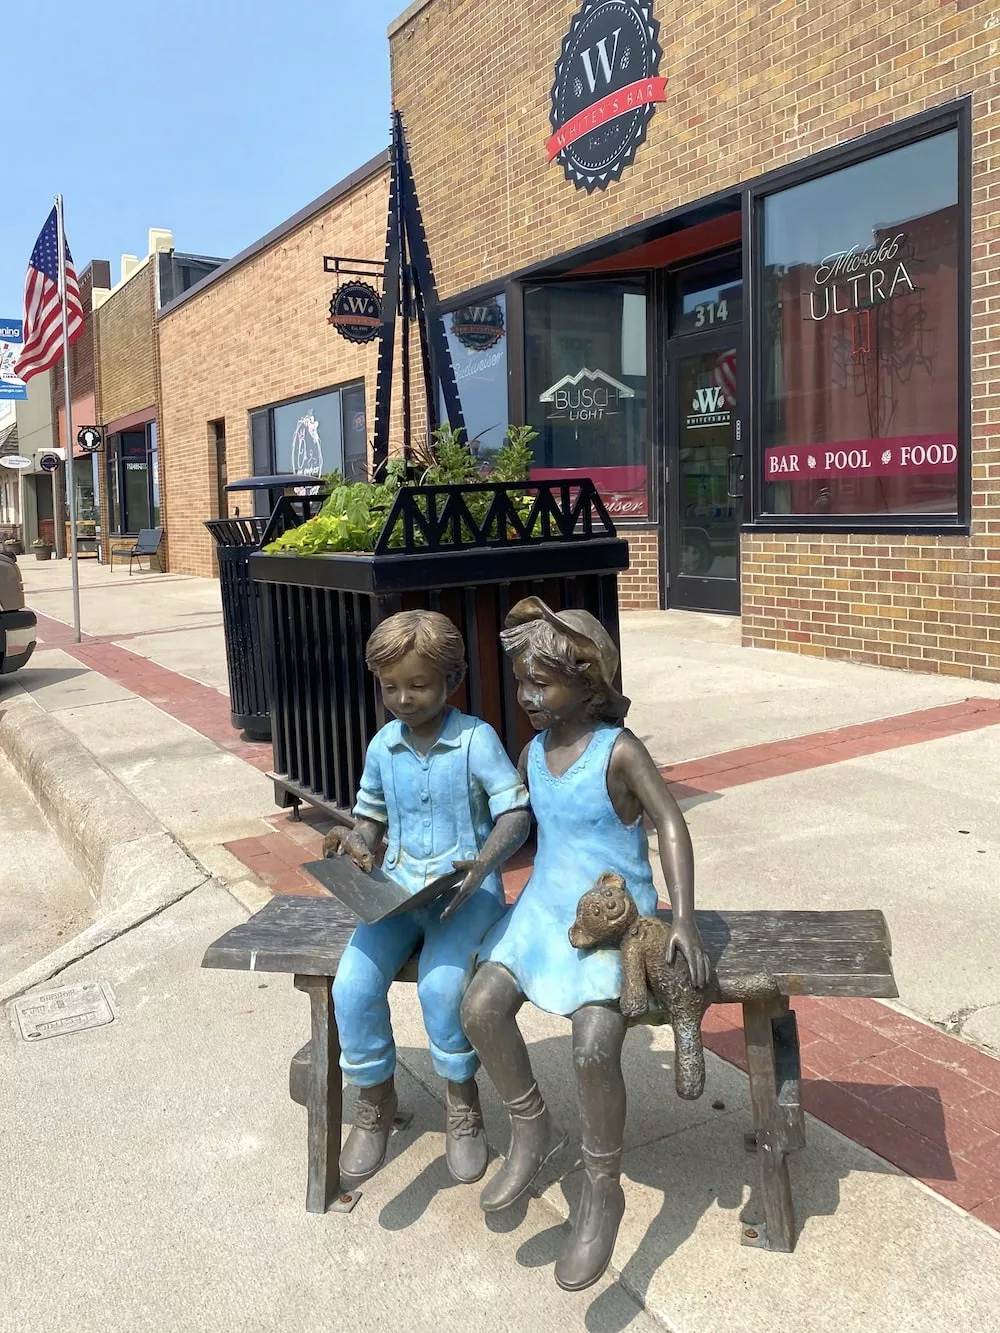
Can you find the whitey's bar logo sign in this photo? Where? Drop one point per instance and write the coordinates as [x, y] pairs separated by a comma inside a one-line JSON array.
[[901, 456], [606, 86]]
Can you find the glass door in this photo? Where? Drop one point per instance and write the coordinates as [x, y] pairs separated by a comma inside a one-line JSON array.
[[704, 475]]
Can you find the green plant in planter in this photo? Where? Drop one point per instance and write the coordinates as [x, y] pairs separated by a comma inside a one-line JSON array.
[[354, 513]]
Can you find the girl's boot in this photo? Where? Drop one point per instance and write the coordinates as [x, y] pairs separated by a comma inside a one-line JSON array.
[[588, 1248], [534, 1139]]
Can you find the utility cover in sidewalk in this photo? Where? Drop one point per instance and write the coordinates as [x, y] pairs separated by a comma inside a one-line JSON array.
[[86, 1004]]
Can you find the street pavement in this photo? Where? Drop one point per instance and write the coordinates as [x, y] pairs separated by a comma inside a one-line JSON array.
[[169, 1138], [44, 899]]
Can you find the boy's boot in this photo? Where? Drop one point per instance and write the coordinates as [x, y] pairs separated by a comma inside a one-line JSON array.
[[534, 1139], [364, 1151], [466, 1150], [588, 1248]]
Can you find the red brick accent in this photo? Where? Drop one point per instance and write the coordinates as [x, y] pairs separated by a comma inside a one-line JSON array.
[[198, 706], [778, 758]]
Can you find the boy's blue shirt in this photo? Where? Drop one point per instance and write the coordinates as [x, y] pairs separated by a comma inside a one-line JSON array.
[[439, 807]]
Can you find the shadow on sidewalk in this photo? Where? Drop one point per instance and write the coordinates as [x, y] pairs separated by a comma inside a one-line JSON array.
[[693, 1168], [32, 678]]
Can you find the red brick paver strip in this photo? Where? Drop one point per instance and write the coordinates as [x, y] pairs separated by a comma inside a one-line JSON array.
[[774, 759], [204, 709]]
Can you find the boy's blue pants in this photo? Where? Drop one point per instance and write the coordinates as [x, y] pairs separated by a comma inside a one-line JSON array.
[[446, 964]]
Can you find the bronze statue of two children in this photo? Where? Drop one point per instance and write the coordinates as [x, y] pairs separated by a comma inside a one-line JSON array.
[[440, 792]]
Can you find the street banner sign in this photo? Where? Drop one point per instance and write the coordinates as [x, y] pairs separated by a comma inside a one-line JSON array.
[[11, 338]]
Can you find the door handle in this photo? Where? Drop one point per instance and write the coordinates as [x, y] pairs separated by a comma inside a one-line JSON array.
[[734, 477]]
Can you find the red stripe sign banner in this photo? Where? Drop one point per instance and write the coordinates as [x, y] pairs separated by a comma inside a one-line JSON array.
[[620, 103], [900, 456]]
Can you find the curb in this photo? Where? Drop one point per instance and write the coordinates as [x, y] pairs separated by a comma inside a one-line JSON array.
[[133, 866]]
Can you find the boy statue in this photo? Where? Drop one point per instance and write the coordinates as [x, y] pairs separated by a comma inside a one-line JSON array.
[[439, 787]]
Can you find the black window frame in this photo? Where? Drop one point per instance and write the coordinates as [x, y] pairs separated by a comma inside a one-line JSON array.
[[517, 384], [115, 464], [262, 503], [955, 116]]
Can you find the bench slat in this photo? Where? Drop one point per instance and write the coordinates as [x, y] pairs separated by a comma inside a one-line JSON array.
[[807, 953]]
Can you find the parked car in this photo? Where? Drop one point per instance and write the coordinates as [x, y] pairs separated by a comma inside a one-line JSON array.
[[17, 625]]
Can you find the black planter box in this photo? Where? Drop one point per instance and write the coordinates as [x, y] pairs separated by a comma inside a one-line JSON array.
[[319, 610]]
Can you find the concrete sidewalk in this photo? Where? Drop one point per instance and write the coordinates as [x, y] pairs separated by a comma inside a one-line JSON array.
[[912, 828], [155, 1173]]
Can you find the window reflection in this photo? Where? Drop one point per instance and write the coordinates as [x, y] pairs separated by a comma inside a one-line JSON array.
[[585, 386], [860, 339], [477, 341]]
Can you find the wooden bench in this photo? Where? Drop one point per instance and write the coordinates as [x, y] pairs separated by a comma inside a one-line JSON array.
[[807, 953]]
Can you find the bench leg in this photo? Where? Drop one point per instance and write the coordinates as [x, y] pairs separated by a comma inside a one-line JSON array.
[[779, 1126], [324, 1097]]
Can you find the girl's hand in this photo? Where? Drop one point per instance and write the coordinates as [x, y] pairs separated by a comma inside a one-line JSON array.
[[684, 935], [475, 873], [349, 842]]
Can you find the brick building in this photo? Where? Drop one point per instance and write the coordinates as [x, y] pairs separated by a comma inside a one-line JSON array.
[[745, 264], [95, 282], [255, 379], [127, 481]]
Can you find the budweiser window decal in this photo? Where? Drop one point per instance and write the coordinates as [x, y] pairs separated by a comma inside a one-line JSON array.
[[860, 338], [607, 84], [477, 341]]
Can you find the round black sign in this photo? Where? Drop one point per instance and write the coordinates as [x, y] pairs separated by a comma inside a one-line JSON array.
[[356, 312], [49, 462], [89, 438], [605, 90], [478, 326]]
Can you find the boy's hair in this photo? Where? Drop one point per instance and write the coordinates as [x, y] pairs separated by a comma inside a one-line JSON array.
[[537, 642], [427, 633]]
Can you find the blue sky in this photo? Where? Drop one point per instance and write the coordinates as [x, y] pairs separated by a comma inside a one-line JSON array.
[[214, 119]]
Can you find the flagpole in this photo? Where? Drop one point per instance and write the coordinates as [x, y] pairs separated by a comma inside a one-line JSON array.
[[70, 488]]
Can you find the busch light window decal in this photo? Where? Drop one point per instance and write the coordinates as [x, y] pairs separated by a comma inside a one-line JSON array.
[[607, 84]]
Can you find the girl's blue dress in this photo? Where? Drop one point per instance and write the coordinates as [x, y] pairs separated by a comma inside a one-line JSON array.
[[579, 838]]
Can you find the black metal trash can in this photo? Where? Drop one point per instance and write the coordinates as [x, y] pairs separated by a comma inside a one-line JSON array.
[[236, 540]]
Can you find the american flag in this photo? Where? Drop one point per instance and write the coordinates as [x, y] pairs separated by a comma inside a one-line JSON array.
[[42, 309]]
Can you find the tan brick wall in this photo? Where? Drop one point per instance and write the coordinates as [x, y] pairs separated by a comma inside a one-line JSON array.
[[254, 337], [638, 586], [126, 363], [751, 88], [126, 373], [921, 603]]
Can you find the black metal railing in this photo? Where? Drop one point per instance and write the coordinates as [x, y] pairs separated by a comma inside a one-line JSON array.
[[479, 515], [289, 512]]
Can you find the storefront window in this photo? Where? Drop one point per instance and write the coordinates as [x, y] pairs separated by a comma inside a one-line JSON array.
[[314, 436], [154, 476], [310, 436], [860, 338], [585, 387], [477, 341], [133, 480]]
